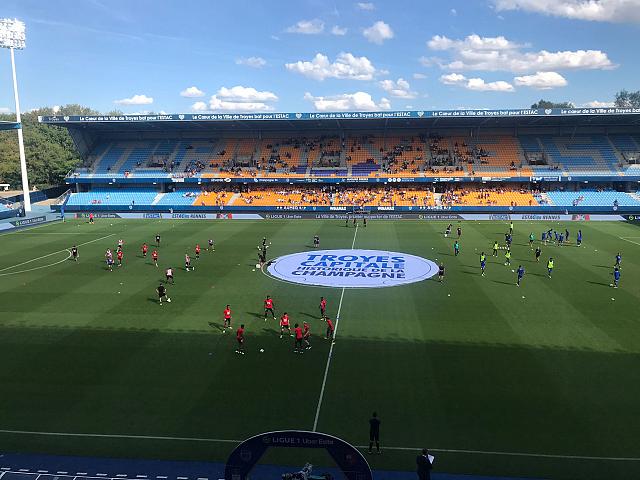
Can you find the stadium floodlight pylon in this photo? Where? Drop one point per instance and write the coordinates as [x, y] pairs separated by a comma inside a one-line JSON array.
[[12, 36]]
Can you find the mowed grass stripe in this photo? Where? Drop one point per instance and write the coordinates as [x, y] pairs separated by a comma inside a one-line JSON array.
[[480, 370]]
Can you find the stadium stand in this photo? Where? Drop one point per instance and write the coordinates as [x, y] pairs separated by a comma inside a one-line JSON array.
[[593, 198], [103, 196], [368, 155], [456, 163]]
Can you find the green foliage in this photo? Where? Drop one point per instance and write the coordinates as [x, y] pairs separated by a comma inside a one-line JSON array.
[[49, 149], [548, 104], [626, 99]]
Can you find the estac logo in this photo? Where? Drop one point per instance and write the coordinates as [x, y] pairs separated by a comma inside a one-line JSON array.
[[352, 268]]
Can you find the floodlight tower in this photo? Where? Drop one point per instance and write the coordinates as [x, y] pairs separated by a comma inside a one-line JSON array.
[[12, 36]]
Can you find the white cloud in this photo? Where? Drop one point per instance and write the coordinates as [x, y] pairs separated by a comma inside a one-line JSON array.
[[541, 80], [623, 11], [419, 76], [366, 6], [199, 107], [192, 92], [307, 27], [4, 110], [597, 104], [336, 30], [398, 89], [476, 84], [472, 42], [254, 62], [241, 99], [453, 79], [274, 37], [358, 101], [453, 12], [500, 54], [378, 32], [346, 66], [246, 94], [135, 100]]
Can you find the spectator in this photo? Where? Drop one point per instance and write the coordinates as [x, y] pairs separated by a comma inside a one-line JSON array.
[[424, 463]]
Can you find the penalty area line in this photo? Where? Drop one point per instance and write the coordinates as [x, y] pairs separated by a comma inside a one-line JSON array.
[[237, 442], [330, 355], [54, 253]]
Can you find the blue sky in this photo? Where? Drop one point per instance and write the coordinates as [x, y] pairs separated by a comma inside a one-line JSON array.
[[314, 55]]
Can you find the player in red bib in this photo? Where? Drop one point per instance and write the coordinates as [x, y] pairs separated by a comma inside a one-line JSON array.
[[298, 342], [154, 257], [240, 339], [306, 335], [329, 328], [145, 249], [197, 251], [323, 307], [227, 318], [91, 218], [284, 324], [120, 255], [268, 308]]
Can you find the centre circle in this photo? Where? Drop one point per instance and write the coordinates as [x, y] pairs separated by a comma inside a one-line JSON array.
[[352, 268]]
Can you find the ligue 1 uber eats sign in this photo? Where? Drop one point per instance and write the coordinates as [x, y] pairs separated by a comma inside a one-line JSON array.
[[352, 268]]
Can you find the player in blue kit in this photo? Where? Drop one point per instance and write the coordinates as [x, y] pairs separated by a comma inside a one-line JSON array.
[[619, 260], [520, 274], [579, 239], [483, 262], [616, 277]]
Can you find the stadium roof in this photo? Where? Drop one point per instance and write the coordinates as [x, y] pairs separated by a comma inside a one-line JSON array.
[[9, 125], [239, 122]]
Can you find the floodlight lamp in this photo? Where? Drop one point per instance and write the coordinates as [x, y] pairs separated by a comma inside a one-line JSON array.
[[12, 34]]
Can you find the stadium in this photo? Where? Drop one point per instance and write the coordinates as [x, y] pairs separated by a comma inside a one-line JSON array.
[[240, 294]]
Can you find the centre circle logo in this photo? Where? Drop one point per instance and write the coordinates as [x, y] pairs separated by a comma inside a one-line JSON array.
[[352, 268]]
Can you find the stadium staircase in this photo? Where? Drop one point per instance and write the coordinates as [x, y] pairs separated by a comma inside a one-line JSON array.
[[157, 198], [99, 152]]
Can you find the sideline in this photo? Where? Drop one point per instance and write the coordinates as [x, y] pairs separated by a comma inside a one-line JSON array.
[[236, 442]]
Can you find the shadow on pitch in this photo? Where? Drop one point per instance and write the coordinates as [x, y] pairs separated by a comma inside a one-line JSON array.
[[598, 283], [216, 326]]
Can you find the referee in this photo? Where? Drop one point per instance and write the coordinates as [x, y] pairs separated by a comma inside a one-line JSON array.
[[374, 432]]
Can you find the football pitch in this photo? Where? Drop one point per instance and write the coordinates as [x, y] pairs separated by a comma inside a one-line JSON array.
[[541, 380]]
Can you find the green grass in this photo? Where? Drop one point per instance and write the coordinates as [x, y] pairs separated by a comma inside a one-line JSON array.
[[465, 365]]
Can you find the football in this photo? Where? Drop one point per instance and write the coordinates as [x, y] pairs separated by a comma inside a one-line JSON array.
[[257, 265], [262, 350]]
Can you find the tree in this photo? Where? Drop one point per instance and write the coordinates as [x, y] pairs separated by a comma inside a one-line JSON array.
[[626, 99], [49, 149], [549, 104]]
